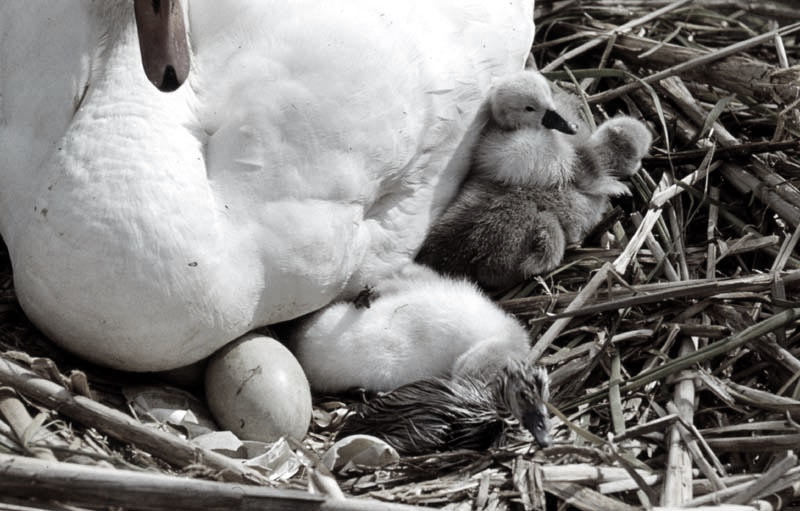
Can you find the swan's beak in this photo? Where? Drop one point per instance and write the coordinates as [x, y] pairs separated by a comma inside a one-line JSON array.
[[162, 42], [553, 121]]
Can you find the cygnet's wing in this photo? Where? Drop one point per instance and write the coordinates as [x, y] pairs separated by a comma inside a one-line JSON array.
[[619, 144]]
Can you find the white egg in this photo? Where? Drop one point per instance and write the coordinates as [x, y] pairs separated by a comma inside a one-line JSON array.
[[257, 389]]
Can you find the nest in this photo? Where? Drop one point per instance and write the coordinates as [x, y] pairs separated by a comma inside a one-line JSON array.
[[671, 335]]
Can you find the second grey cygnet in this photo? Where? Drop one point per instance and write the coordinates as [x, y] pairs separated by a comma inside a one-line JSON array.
[[533, 186]]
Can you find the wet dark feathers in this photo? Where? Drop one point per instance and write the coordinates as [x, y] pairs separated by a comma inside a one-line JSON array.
[[466, 412], [432, 415]]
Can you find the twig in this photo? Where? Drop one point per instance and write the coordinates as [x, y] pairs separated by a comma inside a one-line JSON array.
[[618, 30], [678, 477], [695, 62], [712, 350], [114, 423], [769, 478], [651, 293], [94, 486]]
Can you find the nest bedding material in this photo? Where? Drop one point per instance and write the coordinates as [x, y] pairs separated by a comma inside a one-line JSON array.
[[671, 335]]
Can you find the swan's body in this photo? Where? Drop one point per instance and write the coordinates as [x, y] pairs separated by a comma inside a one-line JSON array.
[[418, 325], [531, 191], [304, 157]]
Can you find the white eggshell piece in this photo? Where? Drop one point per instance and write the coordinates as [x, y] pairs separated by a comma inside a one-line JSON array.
[[257, 389], [359, 451]]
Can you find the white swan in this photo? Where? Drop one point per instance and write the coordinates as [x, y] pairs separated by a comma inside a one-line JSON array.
[[304, 157]]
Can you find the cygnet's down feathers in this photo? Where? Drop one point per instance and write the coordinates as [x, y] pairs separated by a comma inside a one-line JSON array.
[[415, 327], [531, 191]]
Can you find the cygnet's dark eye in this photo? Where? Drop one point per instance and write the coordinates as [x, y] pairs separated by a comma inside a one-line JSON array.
[[530, 109]]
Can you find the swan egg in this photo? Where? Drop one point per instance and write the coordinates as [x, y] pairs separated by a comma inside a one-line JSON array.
[[257, 389]]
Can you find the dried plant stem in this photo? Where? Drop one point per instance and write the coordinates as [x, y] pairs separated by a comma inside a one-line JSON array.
[[788, 478], [629, 296], [614, 399], [748, 183], [699, 61], [638, 239], [744, 76], [585, 498], [558, 326], [658, 251], [678, 478], [94, 486], [718, 348], [741, 178], [741, 150], [762, 399], [763, 484], [17, 416], [612, 33], [586, 473], [711, 233], [114, 423]]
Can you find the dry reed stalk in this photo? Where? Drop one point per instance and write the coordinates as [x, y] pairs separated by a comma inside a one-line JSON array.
[[787, 478], [614, 32], [93, 486], [584, 498], [698, 61], [636, 295], [119, 425], [24, 427], [741, 75]]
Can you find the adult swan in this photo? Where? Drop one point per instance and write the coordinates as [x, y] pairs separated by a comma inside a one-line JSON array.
[[303, 158]]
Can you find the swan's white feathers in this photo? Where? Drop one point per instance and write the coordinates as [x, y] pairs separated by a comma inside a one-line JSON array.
[[303, 157]]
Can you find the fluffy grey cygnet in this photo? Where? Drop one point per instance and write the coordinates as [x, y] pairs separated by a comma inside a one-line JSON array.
[[533, 188]]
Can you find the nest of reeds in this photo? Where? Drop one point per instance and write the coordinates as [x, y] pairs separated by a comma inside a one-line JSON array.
[[671, 335]]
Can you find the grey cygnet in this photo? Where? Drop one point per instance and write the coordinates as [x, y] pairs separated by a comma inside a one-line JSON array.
[[532, 188]]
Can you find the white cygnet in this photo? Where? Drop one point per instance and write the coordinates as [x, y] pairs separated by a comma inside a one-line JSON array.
[[531, 191], [418, 325]]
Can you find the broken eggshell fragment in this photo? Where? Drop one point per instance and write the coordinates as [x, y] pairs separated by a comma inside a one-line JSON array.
[[359, 451]]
